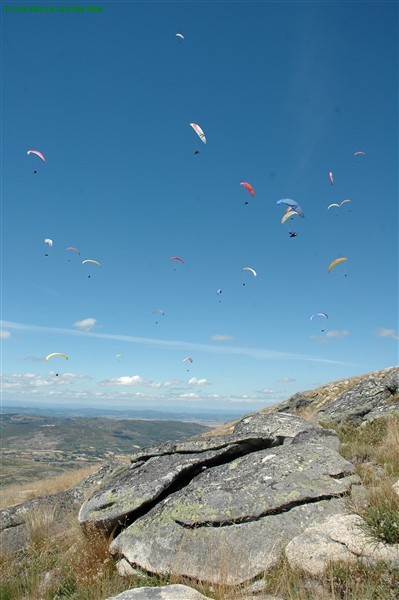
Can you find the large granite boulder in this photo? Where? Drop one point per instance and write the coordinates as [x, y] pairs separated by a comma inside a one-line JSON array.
[[222, 508]]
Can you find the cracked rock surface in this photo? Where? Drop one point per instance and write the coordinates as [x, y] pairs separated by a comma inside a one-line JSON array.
[[222, 508], [371, 398], [339, 538]]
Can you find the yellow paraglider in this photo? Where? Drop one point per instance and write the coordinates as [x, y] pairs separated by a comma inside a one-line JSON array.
[[56, 354], [336, 262], [290, 213]]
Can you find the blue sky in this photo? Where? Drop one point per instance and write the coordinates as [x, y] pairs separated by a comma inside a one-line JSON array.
[[285, 92]]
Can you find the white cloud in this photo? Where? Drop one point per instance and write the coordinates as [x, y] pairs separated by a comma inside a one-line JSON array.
[[267, 391], [195, 381], [337, 334], [190, 396], [286, 379], [86, 324], [27, 381], [389, 333], [5, 335], [334, 333], [220, 337], [164, 384], [127, 380]]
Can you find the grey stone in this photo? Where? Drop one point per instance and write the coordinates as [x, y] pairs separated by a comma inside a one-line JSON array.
[[341, 537], [158, 470], [370, 398], [167, 592], [235, 518]]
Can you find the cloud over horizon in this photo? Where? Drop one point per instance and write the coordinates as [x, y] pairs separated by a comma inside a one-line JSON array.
[[387, 333], [86, 324]]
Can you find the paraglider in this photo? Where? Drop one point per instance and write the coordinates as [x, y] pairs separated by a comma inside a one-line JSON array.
[[197, 152], [330, 175], [72, 248], [89, 260], [180, 35], [248, 187], [39, 154], [295, 206], [293, 234], [158, 311], [56, 354], [338, 205], [319, 314], [359, 153], [48, 242], [177, 258], [336, 262], [188, 359], [219, 291], [289, 215], [199, 132], [254, 273]]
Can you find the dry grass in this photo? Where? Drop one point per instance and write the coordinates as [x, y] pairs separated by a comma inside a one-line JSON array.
[[61, 561], [16, 494]]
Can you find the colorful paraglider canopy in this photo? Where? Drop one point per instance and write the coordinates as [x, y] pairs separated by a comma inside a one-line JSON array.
[[254, 273], [56, 354], [180, 35], [288, 215], [248, 187], [319, 314], [188, 359], [198, 131], [345, 201], [336, 262], [39, 154], [72, 248], [176, 258], [295, 206], [48, 242], [89, 260]]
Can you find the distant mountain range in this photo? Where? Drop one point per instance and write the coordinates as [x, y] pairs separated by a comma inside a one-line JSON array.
[[206, 416]]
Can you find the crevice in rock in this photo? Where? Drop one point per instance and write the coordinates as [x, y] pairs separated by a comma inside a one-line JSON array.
[[267, 513], [237, 450], [341, 475], [266, 442]]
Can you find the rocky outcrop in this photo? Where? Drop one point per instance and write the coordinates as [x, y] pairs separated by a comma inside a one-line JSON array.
[[353, 400], [371, 398], [223, 507], [340, 538]]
